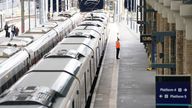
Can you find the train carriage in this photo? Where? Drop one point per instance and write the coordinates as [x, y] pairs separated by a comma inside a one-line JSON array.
[[92, 43], [64, 77], [89, 34], [32, 46]]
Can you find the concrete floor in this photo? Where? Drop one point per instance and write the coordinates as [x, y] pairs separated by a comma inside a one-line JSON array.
[[125, 83]]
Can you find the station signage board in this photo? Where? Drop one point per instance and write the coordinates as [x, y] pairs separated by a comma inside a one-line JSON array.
[[173, 91], [145, 38]]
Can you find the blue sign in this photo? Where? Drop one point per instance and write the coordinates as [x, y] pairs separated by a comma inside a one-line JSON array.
[[173, 90]]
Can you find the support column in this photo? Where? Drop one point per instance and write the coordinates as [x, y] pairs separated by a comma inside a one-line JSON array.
[[157, 52], [66, 5], [179, 51], [51, 7], [149, 30], [175, 7], [63, 5], [29, 14], [172, 42], [180, 35], [35, 12], [42, 11], [166, 46], [57, 5], [185, 11], [166, 43], [45, 10], [160, 45], [22, 17], [172, 47], [188, 47]]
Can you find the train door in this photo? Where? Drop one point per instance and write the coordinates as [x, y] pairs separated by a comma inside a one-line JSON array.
[[60, 34], [91, 71], [94, 62], [34, 60], [88, 84], [103, 43], [85, 80], [97, 56], [75, 101], [82, 91], [98, 52]]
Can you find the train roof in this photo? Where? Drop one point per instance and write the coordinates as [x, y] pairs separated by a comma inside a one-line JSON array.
[[16, 41], [2, 60], [11, 63], [39, 30], [59, 18], [34, 36], [91, 23], [36, 33], [57, 63], [7, 51], [69, 13], [90, 19], [50, 24], [80, 50], [54, 73], [85, 33], [29, 97], [88, 30], [100, 12], [86, 41], [57, 81]]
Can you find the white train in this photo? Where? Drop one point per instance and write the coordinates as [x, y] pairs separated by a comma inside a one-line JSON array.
[[18, 54], [63, 77]]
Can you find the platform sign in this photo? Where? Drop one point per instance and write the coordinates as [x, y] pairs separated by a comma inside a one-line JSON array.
[[173, 91], [145, 38]]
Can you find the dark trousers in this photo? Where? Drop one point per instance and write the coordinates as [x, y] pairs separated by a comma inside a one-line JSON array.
[[7, 34], [117, 53]]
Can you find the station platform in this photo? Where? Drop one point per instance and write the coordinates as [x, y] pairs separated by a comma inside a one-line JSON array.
[[17, 22], [125, 82]]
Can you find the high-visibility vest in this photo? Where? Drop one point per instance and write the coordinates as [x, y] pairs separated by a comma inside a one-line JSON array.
[[117, 44]]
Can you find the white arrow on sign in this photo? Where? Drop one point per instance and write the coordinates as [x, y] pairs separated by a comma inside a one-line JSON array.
[[160, 96], [185, 90]]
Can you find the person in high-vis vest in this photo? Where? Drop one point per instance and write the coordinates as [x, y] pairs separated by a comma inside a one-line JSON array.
[[117, 48]]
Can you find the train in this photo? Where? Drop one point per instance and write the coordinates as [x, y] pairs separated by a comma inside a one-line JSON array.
[[90, 5], [64, 77], [18, 54]]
